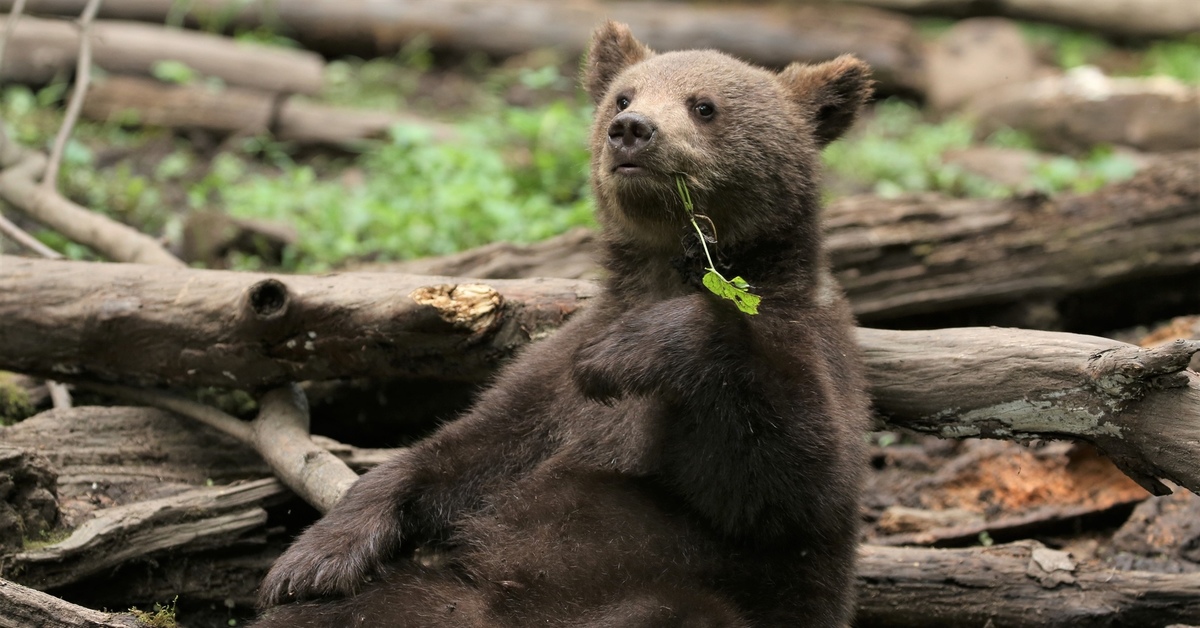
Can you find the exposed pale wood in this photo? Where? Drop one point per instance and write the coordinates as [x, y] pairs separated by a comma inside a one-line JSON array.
[[771, 35], [42, 48], [1018, 585], [1137, 18]]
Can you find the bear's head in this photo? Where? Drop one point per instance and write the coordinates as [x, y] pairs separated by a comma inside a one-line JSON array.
[[746, 138]]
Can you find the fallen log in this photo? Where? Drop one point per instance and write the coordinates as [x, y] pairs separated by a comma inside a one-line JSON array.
[[1085, 108], [249, 330], [127, 99], [1019, 585], [253, 330], [22, 607], [781, 34], [41, 49], [1124, 18]]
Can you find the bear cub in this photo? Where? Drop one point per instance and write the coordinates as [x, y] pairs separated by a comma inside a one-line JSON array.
[[665, 459]]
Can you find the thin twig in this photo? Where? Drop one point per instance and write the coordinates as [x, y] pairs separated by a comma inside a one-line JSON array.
[[83, 77], [205, 414], [10, 26], [18, 235]]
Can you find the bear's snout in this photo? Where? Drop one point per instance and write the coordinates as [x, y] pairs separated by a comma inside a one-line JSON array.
[[628, 134]]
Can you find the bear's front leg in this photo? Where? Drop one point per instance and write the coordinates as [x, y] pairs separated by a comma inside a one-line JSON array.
[[345, 548], [651, 349]]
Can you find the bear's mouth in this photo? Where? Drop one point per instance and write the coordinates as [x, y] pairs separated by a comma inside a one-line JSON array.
[[630, 169]]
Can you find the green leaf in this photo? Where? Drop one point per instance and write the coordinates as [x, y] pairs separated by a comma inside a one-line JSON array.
[[746, 302]]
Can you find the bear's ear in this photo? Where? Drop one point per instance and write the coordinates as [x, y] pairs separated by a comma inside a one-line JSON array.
[[612, 49], [830, 93]]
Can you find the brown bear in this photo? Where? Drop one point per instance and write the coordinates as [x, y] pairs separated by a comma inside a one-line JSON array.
[[665, 459]]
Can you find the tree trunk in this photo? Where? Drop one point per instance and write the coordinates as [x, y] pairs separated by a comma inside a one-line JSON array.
[[241, 110], [379, 27]]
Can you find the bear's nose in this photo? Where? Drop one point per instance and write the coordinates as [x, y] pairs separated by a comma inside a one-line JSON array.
[[630, 131]]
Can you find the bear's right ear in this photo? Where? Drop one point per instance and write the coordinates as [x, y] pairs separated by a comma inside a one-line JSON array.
[[612, 49]]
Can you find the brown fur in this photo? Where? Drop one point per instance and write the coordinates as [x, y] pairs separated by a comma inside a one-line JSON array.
[[664, 459]]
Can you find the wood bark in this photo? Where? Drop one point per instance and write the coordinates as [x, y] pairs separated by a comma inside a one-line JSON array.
[[252, 330], [22, 607], [248, 330], [129, 99], [1127, 18], [781, 34], [1019, 585], [42, 49]]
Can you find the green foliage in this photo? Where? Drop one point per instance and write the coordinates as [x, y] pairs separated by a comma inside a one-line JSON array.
[[1176, 58], [897, 152], [1070, 48], [162, 617], [521, 177], [15, 404], [736, 289], [45, 538], [171, 71]]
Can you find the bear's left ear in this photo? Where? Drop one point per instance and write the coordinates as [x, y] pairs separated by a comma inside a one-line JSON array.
[[613, 49], [830, 93]]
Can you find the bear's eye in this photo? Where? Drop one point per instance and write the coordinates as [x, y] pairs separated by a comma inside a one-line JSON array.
[[704, 109], [622, 103]]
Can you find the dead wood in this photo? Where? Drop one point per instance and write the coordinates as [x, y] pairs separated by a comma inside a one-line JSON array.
[[921, 255], [783, 34], [1085, 108], [1022, 584], [41, 49], [249, 330], [252, 330], [1127, 18], [128, 99], [1140, 406], [22, 607], [1017, 585], [20, 170]]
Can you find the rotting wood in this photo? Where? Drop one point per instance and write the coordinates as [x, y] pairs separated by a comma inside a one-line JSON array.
[[42, 49], [783, 34], [1127, 18]]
